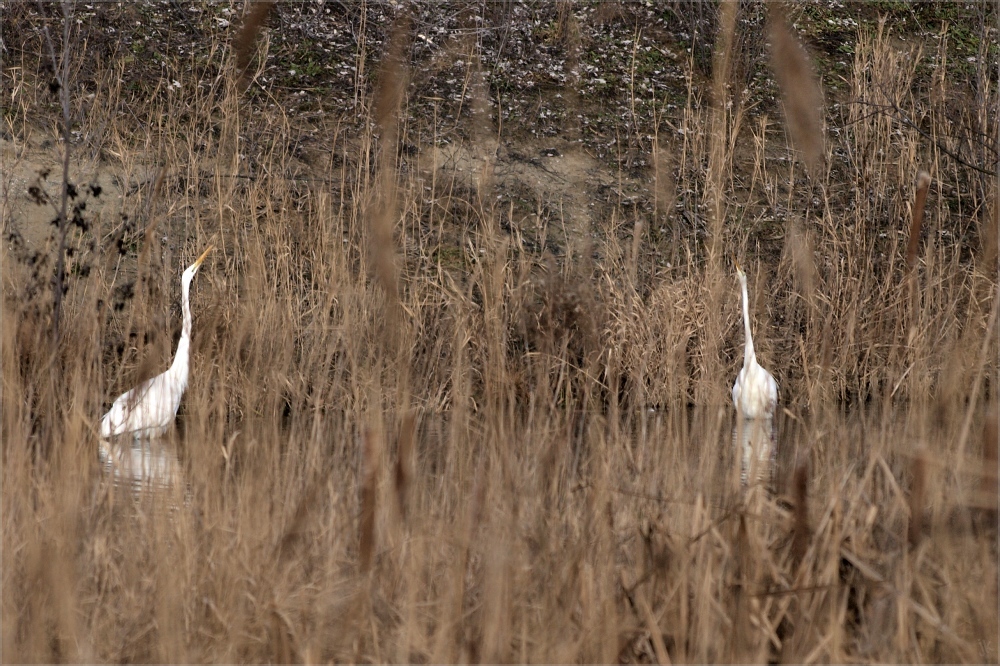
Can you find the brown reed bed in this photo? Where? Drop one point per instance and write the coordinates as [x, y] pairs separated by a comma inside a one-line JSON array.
[[418, 429]]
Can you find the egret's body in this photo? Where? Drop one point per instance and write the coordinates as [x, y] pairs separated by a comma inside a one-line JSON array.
[[755, 395], [148, 410]]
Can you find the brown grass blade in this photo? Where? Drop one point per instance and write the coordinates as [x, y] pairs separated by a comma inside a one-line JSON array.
[[149, 239], [800, 538], [659, 647], [917, 493], [800, 90], [247, 36], [281, 644], [633, 257], [393, 79], [803, 258], [991, 474], [991, 237], [369, 484], [404, 461], [297, 527], [917, 218], [154, 192]]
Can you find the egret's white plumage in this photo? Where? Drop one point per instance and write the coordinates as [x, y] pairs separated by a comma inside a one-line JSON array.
[[148, 410], [755, 395]]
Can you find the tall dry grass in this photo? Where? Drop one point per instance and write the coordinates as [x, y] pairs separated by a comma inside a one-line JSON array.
[[387, 455]]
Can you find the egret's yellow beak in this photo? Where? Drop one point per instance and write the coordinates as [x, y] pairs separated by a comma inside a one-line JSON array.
[[203, 255], [737, 264]]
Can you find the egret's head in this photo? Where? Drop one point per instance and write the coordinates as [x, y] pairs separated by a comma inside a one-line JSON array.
[[193, 268], [739, 271]]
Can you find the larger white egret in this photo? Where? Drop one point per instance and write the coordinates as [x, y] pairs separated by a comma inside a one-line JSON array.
[[755, 395], [148, 410]]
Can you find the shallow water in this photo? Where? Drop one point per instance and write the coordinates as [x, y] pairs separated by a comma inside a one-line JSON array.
[[143, 466]]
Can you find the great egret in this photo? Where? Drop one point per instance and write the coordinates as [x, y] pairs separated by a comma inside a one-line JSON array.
[[148, 410], [755, 395]]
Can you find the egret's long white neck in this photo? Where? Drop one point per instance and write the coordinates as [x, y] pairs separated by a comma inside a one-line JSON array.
[[186, 307], [180, 364], [748, 354]]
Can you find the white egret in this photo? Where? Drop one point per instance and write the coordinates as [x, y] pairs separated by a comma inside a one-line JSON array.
[[148, 410], [755, 395]]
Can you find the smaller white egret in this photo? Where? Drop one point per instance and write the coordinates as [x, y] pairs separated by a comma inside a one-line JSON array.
[[148, 410], [755, 395]]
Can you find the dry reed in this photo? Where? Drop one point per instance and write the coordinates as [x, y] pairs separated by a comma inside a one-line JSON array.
[[800, 492], [561, 425], [246, 38], [800, 89], [918, 485], [917, 218]]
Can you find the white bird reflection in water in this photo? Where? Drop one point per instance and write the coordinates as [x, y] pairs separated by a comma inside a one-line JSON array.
[[144, 465]]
